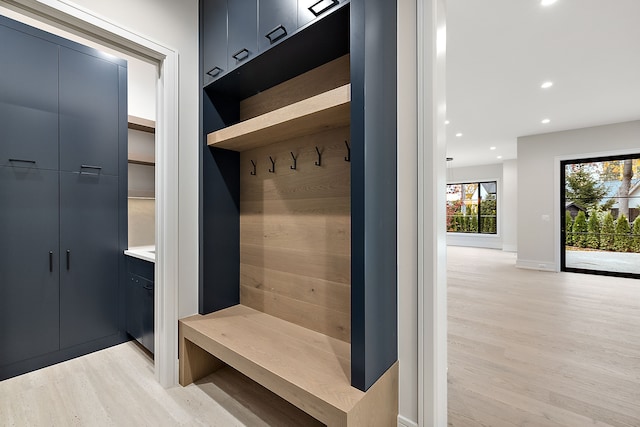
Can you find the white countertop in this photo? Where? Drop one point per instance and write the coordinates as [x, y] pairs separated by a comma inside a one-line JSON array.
[[146, 253]]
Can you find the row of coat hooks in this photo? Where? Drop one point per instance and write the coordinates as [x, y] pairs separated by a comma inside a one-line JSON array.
[[294, 159]]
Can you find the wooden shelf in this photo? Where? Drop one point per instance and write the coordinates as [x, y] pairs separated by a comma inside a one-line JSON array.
[[144, 125], [325, 111], [306, 368]]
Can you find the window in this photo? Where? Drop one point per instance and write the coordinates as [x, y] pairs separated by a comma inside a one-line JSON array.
[[472, 207]]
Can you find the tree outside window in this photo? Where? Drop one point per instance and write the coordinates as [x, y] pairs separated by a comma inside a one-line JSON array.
[[472, 207]]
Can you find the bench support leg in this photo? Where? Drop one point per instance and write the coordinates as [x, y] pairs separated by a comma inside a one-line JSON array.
[[195, 363]]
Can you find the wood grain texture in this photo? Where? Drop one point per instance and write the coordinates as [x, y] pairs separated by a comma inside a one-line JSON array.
[[327, 110], [298, 364], [141, 124], [379, 406], [295, 233], [537, 348], [200, 363], [329, 76], [308, 369]]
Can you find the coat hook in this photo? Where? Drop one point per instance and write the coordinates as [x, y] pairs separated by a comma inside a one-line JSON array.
[[254, 167], [319, 162], [348, 158], [273, 166], [295, 161]]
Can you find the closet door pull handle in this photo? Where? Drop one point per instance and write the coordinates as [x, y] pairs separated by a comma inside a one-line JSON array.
[[214, 71], [320, 7], [90, 167], [273, 37], [68, 260], [33, 162], [241, 55], [50, 261]]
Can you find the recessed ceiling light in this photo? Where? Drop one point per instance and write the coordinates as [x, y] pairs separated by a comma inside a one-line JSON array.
[[492, 148], [446, 122], [546, 85], [499, 157], [545, 121], [547, 2], [458, 135]]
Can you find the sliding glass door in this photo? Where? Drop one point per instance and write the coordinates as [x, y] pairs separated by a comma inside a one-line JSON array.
[[600, 202]]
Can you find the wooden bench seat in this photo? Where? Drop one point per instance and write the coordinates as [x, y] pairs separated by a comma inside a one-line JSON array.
[[306, 368]]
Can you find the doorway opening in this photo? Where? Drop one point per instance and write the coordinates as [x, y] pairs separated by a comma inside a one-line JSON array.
[[600, 215]]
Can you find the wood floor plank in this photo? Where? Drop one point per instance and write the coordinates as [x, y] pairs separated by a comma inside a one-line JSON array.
[[538, 348]]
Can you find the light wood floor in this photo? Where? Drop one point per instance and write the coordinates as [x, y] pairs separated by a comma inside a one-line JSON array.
[[116, 387], [529, 348]]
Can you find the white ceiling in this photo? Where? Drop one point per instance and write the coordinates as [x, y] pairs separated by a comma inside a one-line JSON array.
[[499, 52]]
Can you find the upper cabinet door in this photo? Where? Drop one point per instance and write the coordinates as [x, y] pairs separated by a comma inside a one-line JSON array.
[[28, 101], [214, 39], [243, 31], [276, 20], [89, 106], [308, 10]]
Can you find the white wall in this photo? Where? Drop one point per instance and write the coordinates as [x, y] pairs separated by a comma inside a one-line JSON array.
[[510, 206], [479, 173], [407, 214], [538, 171]]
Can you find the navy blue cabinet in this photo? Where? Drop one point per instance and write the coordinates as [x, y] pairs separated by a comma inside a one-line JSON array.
[[89, 111], [214, 39], [63, 122], [139, 305], [308, 10], [29, 255], [89, 257], [243, 31], [276, 20], [28, 94]]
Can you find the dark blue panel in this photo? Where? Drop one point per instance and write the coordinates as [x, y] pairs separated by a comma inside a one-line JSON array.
[[89, 280], [276, 19], [310, 47], [28, 100], [28, 263], [89, 112], [243, 31], [221, 230], [213, 42], [373, 177]]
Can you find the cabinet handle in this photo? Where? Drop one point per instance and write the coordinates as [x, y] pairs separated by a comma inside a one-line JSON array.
[[50, 261], [68, 260], [241, 55], [33, 162], [214, 71], [320, 7], [149, 288], [96, 168], [273, 37]]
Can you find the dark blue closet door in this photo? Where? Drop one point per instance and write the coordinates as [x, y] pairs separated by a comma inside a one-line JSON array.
[[29, 310], [88, 113], [89, 257], [28, 100]]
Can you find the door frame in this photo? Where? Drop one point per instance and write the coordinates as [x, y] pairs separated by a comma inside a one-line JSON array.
[[70, 17], [557, 196], [562, 201]]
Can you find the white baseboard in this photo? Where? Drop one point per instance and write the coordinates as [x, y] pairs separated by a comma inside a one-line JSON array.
[[474, 240], [404, 422], [536, 265], [510, 248]]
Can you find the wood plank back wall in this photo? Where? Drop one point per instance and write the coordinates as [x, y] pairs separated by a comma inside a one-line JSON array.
[[295, 225]]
